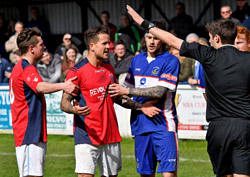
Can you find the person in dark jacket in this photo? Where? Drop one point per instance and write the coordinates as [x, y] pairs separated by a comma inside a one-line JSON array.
[[242, 11], [5, 67], [182, 23], [112, 28], [121, 59]]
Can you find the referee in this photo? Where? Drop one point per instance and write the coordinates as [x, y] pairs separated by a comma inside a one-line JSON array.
[[227, 77]]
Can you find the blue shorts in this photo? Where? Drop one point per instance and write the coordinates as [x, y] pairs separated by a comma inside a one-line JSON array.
[[156, 146]]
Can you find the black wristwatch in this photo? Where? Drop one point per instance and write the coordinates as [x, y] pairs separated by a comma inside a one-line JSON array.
[[147, 25], [151, 25]]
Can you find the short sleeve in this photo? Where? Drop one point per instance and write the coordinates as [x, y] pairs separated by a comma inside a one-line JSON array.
[[169, 77], [201, 84], [130, 80], [72, 73], [197, 51], [31, 77]]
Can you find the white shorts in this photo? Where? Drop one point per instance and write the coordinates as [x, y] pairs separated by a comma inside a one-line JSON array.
[[107, 157], [31, 159]]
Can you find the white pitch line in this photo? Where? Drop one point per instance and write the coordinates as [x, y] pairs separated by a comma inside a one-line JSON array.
[[123, 156]]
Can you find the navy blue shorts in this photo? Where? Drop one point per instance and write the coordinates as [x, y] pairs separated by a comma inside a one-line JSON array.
[[156, 146]]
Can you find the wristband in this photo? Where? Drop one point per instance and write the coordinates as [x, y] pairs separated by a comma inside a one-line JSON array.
[[147, 25]]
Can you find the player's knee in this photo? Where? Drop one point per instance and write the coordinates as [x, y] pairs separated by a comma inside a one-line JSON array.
[[170, 174]]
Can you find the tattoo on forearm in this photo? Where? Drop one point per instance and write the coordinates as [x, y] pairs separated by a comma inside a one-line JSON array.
[[127, 102], [153, 92], [66, 105]]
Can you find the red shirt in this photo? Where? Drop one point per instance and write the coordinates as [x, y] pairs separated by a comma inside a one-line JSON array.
[[100, 126], [28, 107]]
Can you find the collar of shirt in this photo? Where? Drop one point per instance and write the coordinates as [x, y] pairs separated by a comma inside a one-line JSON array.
[[150, 59], [227, 45]]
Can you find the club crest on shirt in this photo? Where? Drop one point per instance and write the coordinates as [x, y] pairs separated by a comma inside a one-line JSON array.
[[35, 79], [155, 70]]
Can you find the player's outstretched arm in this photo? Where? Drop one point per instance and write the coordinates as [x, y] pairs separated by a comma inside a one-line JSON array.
[[164, 36], [156, 92], [68, 87], [147, 108], [66, 106]]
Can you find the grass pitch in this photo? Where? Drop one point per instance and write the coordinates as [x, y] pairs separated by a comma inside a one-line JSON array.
[[60, 161]]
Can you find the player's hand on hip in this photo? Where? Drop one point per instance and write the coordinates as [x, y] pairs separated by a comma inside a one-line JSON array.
[[149, 109], [70, 87], [83, 111], [117, 89], [136, 17]]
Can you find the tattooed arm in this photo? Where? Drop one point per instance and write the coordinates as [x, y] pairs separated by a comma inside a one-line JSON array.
[[147, 108], [156, 92], [67, 107], [127, 102]]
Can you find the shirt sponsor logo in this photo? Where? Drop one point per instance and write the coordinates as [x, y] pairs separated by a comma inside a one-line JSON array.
[[96, 91], [98, 71], [169, 77], [137, 69], [172, 160], [143, 81], [155, 70]]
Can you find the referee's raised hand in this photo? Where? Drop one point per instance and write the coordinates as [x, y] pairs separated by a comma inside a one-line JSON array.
[[136, 17]]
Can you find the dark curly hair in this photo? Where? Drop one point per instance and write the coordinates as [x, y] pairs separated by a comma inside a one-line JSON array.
[[27, 38]]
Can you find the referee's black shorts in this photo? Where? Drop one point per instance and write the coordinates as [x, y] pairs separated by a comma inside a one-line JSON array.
[[229, 146]]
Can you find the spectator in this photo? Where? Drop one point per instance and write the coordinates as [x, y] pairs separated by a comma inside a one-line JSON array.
[[85, 53], [120, 60], [68, 62], [242, 40], [185, 66], [11, 28], [67, 42], [3, 33], [49, 67], [192, 37], [17, 56], [39, 22], [129, 34], [112, 28], [11, 44], [242, 11], [5, 70], [246, 23], [226, 12], [203, 41], [182, 24]]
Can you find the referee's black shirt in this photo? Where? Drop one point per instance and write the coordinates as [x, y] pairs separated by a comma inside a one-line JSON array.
[[227, 78]]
